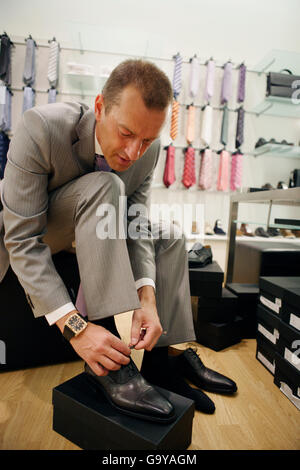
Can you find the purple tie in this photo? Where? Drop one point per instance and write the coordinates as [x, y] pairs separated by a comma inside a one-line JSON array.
[[242, 84], [99, 165], [226, 83]]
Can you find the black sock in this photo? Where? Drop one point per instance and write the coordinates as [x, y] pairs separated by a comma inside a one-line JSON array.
[[155, 362], [107, 323]]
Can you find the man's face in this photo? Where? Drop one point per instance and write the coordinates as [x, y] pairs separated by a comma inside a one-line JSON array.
[[128, 129]]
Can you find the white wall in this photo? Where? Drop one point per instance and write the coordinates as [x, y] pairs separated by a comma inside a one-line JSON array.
[[239, 30]]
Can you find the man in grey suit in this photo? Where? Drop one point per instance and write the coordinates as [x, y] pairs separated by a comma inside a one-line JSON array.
[[51, 195]]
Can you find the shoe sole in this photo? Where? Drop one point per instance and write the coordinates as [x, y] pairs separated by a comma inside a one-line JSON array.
[[98, 388]]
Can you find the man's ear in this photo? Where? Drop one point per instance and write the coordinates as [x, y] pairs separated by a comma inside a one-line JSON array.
[[98, 106]]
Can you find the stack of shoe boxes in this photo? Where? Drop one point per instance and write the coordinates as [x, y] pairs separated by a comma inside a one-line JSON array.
[[278, 332], [217, 323], [247, 295]]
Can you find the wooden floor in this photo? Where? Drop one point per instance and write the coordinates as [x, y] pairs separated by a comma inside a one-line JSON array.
[[258, 417]]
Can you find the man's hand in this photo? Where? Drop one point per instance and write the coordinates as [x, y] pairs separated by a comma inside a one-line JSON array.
[[102, 350], [146, 317]]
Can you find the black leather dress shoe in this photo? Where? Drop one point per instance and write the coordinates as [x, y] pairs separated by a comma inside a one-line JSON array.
[[194, 370], [199, 256], [128, 392]]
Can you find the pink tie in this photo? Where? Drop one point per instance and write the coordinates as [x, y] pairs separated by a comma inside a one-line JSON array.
[[236, 171], [189, 176], [169, 173], [223, 171], [190, 128], [205, 175]]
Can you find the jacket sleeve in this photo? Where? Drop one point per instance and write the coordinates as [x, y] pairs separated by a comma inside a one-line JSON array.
[[139, 234], [25, 203]]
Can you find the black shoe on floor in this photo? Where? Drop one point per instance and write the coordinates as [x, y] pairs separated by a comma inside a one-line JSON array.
[[193, 369], [128, 392]]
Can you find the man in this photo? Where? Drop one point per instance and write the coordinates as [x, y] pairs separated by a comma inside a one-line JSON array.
[[51, 196]]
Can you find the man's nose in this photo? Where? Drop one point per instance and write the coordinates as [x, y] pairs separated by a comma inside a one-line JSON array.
[[133, 149]]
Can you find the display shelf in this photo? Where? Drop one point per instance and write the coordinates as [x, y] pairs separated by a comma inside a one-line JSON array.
[[278, 150], [263, 224], [276, 60], [278, 106]]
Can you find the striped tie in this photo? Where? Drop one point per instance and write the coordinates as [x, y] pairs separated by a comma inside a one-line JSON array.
[[205, 175], [177, 75], [189, 176], [53, 63], [236, 171], [174, 120]]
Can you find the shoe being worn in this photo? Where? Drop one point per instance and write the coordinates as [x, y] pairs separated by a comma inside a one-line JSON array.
[[199, 256], [194, 370], [260, 232], [128, 392], [218, 228]]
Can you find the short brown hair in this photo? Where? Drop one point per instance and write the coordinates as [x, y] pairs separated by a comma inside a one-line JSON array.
[[153, 83]]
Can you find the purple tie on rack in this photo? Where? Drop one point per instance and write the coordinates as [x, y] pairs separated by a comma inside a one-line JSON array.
[[169, 173], [210, 80], [226, 83], [242, 83]]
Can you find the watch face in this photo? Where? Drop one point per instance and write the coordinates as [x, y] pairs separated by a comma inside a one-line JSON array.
[[76, 323]]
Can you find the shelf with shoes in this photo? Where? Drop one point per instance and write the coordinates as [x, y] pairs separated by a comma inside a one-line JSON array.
[[278, 61], [278, 150]]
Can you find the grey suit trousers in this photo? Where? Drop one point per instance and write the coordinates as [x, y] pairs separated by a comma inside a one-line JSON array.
[[104, 264]]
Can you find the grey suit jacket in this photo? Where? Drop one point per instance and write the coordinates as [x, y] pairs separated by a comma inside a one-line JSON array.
[[52, 145]]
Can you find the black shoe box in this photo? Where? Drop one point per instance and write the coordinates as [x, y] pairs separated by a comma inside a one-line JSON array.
[[289, 343], [290, 310], [268, 325], [273, 289], [218, 309], [265, 353], [218, 336], [287, 379], [247, 295], [84, 417], [254, 259], [30, 341], [207, 281]]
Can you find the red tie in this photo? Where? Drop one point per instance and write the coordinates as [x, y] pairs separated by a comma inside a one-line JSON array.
[[169, 173], [189, 175]]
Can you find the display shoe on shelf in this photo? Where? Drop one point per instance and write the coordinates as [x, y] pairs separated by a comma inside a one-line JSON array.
[[282, 185], [261, 232], [286, 233], [218, 228], [296, 233], [239, 233], [246, 230], [129, 393], [199, 256], [208, 229], [273, 232], [267, 186]]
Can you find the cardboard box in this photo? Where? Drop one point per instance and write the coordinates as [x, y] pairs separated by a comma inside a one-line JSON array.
[[87, 419]]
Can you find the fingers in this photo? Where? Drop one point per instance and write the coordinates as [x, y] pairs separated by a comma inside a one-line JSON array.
[[135, 332], [150, 338]]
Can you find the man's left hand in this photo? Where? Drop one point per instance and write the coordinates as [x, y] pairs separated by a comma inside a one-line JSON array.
[[146, 317]]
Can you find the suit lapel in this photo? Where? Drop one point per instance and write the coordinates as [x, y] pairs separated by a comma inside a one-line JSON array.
[[84, 147]]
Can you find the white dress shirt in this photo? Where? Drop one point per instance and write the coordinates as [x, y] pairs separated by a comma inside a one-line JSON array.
[[60, 312]]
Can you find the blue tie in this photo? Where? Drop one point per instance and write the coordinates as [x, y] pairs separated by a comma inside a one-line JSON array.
[[101, 164]]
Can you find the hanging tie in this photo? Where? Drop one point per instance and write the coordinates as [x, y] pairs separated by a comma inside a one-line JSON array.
[[210, 80], [5, 109], [242, 83], [205, 175], [177, 75], [224, 129], [53, 64], [52, 95], [194, 77], [190, 128], [28, 98], [4, 144], [236, 171], [239, 139], [206, 126], [174, 120], [189, 176], [169, 173], [29, 67], [226, 83], [223, 177], [5, 59]]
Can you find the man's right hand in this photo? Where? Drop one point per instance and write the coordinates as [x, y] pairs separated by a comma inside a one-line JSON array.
[[102, 350]]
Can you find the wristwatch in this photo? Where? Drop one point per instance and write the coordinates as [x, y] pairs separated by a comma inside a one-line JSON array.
[[74, 325]]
